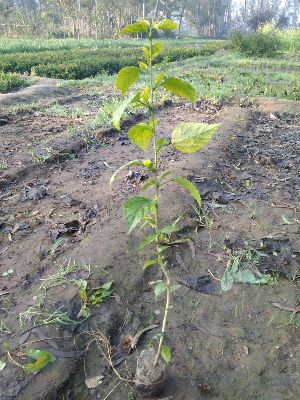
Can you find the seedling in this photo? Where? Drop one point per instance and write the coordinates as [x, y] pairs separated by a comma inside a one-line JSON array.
[[92, 297], [186, 138]]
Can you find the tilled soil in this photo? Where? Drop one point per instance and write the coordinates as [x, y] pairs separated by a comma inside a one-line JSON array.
[[225, 345]]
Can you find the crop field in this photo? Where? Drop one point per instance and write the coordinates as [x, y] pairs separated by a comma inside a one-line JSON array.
[[81, 298]]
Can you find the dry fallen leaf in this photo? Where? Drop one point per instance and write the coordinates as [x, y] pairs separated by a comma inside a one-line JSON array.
[[92, 383]]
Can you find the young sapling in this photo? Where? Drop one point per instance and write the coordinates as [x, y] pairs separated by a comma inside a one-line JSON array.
[[186, 137]]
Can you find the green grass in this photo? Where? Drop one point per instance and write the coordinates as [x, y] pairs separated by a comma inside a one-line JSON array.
[[230, 76], [11, 81]]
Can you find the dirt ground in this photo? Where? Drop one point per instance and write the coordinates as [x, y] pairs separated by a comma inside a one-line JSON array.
[[226, 345]]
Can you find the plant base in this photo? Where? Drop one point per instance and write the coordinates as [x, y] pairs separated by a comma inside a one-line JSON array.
[[150, 380]]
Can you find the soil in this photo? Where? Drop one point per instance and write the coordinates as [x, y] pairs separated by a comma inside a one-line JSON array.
[[226, 345]]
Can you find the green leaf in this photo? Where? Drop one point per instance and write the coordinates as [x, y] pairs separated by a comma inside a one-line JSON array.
[[157, 48], [84, 312], [170, 229], [159, 288], [181, 88], [166, 25], [245, 276], [135, 209], [164, 175], [227, 280], [185, 183], [107, 285], [129, 164], [118, 113], [189, 137], [166, 354], [126, 77], [285, 220], [149, 239], [2, 365], [148, 183], [149, 263], [81, 283], [140, 26], [141, 135], [99, 294], [161, 143], [159, 78], [143, 66], [42, 358], [144, 96]]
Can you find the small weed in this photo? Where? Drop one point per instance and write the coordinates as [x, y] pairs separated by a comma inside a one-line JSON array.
[[3, 327], [284, 318], [3, 166], [104, 115], [22, 108], [71, 132], [61, 111], [41, 158], [48, 153], [203, 219]]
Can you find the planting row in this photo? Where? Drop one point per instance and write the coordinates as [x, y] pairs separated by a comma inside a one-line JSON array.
[[11, 81], [83, 63]]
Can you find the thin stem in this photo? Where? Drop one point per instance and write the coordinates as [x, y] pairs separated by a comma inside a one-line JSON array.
[[166, 313], [160, 258]]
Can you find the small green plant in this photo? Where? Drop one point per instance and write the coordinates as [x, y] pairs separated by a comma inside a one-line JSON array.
[[186, 137], [3, 166], [92, 297]]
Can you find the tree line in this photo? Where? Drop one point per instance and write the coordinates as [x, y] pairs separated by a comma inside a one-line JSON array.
[[104, 18]]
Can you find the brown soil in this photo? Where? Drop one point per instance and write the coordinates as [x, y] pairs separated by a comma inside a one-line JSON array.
[[227, 346]]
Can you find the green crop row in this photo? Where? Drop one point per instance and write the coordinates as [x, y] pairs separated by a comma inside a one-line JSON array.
[[28, 45], [11, 81], [83, 63]]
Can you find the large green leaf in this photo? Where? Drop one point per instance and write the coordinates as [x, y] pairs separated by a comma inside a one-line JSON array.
[[189, 137], [185, 183], [42, 358], [166, 354], [118, 113], [135, 209], [126, 77], [141, 135], [141, 26], [181, 88], [129, 164], [166, 25]]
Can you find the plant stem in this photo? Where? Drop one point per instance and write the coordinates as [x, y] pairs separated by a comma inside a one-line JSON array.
[[160, 258]]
